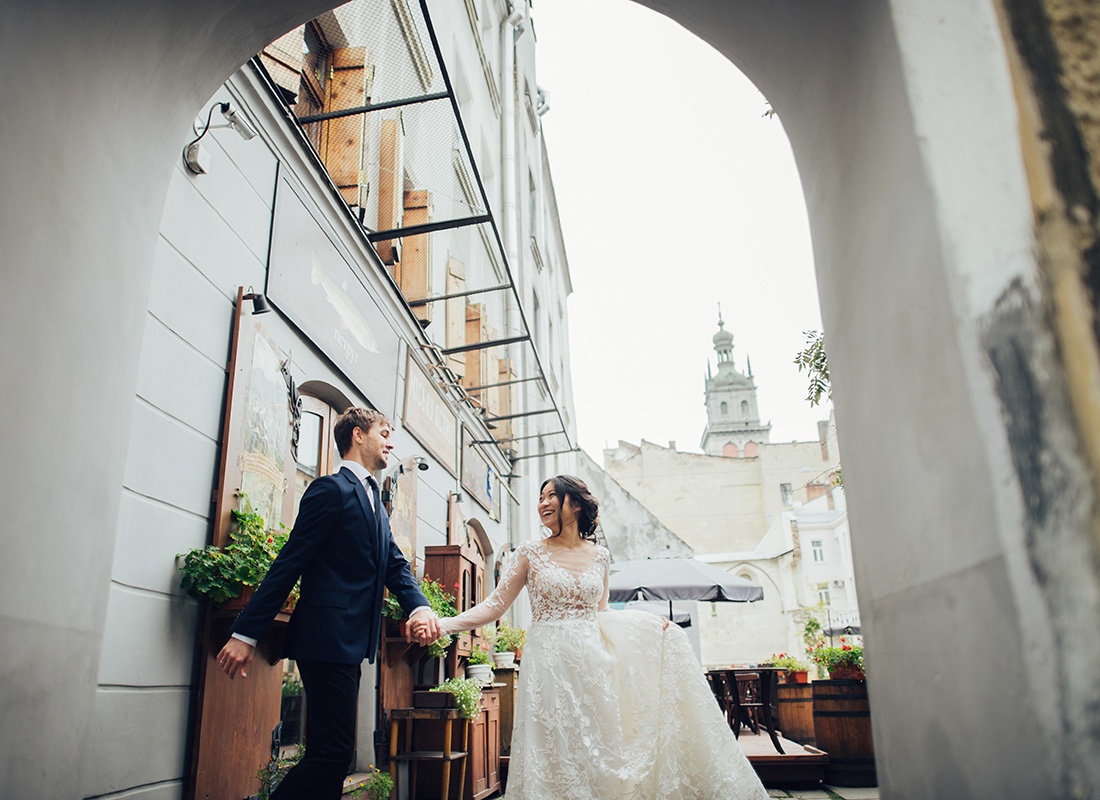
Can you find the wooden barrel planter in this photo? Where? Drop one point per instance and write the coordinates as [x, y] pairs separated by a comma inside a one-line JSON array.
[[796, 712], [842, 727]]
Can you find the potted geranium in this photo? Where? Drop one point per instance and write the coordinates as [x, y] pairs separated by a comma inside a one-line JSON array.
[[796, 671], [232, 573], [508, 644], [442, 603], [842, 663]]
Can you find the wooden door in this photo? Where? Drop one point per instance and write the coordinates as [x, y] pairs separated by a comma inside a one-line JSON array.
[[492, 749], [479, 778]]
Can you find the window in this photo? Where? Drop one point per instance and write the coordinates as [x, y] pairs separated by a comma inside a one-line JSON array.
[[823, 594], [724, 409], [315, 74], [786, 496], [536, 321], [316, 448], [744, 409], [818, 551], [532, 205]]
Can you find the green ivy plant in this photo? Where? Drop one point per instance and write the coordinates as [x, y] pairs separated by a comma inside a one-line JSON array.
[[220, 574], [466, 692]]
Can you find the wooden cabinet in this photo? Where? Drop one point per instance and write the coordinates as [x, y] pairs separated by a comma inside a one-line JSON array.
[[508, 680], [460, 568], [483, 777]]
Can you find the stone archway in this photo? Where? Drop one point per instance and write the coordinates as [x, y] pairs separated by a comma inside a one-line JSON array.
[[949, 362]]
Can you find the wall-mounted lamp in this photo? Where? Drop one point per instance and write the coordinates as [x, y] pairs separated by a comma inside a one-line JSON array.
[[197, 159], [259, 302], [542, 102]]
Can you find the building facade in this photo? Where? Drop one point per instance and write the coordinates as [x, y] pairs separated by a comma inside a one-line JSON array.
[[379, 180]]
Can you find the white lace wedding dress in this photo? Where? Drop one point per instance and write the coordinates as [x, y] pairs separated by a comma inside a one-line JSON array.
[[610, 705]]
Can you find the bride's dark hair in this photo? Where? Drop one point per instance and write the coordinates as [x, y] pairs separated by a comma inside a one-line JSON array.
[[588, 507]]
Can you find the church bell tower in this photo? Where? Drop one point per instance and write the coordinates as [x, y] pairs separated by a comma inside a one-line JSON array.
[[733, 418]]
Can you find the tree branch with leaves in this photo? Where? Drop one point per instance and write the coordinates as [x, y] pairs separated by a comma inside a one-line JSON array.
[[815, 362]]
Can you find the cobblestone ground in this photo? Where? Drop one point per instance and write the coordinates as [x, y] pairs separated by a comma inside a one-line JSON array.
[[829, 793]]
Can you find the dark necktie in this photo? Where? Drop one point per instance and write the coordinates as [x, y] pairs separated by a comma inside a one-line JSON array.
[[372, 490]]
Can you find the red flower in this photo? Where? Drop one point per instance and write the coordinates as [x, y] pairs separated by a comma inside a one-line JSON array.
[[270, 540], [456, 584], [846, 647]]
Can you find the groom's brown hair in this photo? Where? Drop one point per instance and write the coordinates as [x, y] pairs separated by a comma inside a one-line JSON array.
[[354, 418]]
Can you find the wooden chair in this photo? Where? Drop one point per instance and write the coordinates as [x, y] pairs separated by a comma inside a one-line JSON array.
[[746, 695]]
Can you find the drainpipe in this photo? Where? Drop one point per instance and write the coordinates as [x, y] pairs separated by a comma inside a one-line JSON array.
[[510, 31]]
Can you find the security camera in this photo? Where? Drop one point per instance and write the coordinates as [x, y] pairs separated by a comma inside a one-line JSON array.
[[237, 122]]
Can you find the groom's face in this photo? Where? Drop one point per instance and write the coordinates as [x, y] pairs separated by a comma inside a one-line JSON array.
[[374, 445]]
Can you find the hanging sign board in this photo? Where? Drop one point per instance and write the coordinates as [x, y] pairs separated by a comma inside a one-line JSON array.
[[327, 297], [428, 417], [479, 478]]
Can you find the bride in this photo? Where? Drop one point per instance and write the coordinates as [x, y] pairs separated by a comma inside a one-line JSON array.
[[611, 704]]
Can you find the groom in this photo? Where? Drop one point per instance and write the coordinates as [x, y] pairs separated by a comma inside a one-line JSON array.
[[342, 548]]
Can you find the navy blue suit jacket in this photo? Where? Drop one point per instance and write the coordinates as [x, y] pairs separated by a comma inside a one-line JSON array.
[[345, 556]]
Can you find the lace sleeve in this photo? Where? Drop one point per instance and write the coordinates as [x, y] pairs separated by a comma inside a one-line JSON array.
[[604, 600], [493, 607]]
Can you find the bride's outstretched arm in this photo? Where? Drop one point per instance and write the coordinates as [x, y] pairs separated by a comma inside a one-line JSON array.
[[605, 604], [493, 607]]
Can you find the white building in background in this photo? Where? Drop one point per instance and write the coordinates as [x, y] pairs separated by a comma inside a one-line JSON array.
[[769, 512]]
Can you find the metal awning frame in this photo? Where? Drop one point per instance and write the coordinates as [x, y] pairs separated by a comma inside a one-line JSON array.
[[437, 356], [510, 282]]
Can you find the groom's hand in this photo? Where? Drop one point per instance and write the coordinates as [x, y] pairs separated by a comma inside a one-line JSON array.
[[425, 626], [235, 656]]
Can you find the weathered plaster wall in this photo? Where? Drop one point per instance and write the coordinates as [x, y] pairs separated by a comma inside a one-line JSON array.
[[632, 532], [717, 504]]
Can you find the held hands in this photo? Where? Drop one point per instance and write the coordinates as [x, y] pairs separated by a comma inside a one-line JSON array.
[[234, 657], [424, 626]]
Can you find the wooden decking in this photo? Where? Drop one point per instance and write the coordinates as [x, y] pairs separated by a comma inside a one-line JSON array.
[[798, 767]]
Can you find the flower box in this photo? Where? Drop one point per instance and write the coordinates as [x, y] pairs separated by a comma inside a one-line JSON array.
[[428, 699]]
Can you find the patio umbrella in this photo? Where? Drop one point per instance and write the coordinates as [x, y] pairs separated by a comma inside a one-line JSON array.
[[679, 579]]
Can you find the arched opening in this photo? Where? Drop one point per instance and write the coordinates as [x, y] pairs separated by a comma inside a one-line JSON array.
[[918, 206]]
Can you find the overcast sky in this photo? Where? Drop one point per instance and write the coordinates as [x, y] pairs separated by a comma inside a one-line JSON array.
[[675, 194]]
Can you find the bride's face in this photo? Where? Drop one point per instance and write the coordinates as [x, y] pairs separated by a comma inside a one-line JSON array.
[[553, 510]]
